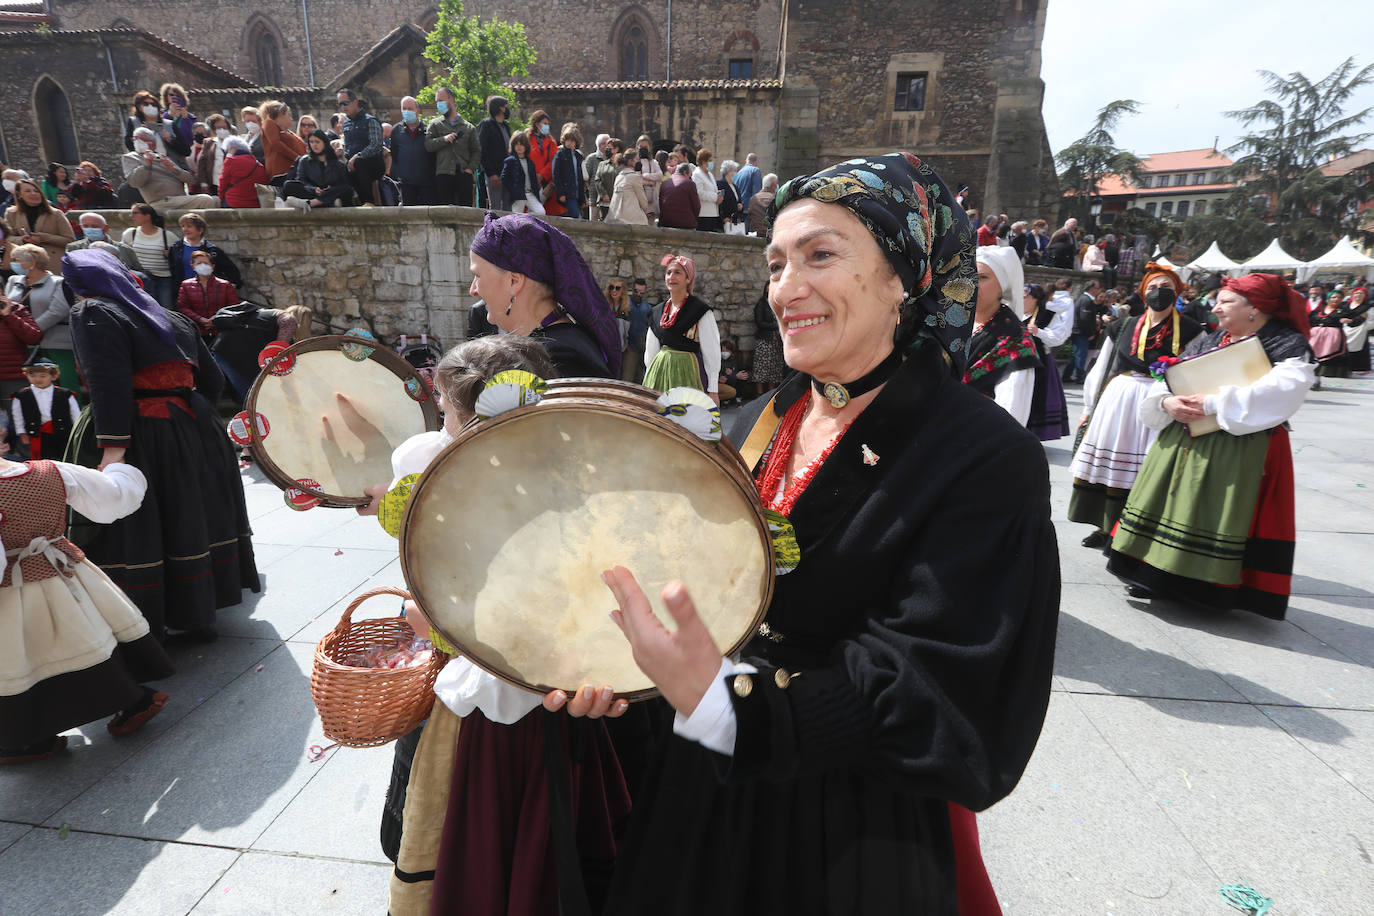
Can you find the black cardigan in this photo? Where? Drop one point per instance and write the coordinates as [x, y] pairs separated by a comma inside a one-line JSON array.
[[921, 626]]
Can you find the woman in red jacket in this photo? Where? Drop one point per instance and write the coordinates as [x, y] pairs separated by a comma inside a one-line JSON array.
[[199, 297], [241, 174], [543, 147]]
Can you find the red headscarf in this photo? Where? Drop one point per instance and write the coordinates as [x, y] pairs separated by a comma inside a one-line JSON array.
[[1273, 297]]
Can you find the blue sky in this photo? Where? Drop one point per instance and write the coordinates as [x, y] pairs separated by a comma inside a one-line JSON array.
[[1187, 62]]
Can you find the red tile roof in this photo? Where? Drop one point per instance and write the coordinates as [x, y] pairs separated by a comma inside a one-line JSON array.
[[644, 84], [1347, 164], [1190, 160]]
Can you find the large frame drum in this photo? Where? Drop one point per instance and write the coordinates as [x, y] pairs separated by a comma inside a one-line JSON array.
[[329, 411], [506, 534]]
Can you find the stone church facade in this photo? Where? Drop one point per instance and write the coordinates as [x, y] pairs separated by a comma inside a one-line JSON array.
[[803, 83]]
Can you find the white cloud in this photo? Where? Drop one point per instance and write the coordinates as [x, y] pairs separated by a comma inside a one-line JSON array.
[[1187, 62]]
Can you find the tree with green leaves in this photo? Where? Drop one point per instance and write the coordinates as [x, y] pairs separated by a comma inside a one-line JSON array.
[[1094, 156], [474, 57], [1291, 136]]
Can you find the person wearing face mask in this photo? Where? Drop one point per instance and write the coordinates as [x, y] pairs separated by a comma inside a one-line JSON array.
[[412, 165], [94, 229], [493, 136], [193, 228], [590, 164], [146, 112], [40, 291], [34, 221], [199, 297], [543, 147], [180, 132], [1116, 441], [651, 174], [19, 332], [453, 141], [158, 178], [252, 131], [210, 165]]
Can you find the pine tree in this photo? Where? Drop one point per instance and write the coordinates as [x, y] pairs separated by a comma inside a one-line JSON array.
[[1094, 156]]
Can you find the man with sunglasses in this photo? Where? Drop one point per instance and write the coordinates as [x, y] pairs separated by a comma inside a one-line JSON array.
[[641, 311]]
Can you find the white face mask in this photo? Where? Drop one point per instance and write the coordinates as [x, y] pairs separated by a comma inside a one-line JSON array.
[[254, 127], [141, 146], [150, 111], [221, 132], [9, 185], [204, 269]]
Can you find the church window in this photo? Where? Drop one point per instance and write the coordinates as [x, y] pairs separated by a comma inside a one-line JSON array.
[[911, 92], [266, 55], [55, 122], [742, 69], [634, 54]]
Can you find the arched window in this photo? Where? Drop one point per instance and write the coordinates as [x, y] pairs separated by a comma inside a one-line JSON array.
[[55, 122], [266, 54], [634, 54]]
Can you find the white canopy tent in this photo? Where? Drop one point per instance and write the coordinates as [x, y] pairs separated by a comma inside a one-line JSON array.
[[1211, 261], [1343, 256], [1272, 258]]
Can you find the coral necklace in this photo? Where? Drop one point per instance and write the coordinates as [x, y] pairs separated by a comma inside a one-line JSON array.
[[777, 491]]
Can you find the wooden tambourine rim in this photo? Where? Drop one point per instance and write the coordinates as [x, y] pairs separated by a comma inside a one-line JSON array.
[[741, 482], [389, 360]]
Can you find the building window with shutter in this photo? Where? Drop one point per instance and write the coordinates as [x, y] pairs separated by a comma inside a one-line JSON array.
[[1182, 209], [911, 92], [1150, 208], [742, 69]]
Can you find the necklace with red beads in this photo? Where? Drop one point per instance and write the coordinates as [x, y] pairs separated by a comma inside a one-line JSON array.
[[780, 492]]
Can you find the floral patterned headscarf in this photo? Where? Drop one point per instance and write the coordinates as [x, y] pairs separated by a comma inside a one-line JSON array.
[[922, 231]]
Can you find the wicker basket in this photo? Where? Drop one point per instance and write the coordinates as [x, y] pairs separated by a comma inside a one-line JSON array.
[[367, 707]]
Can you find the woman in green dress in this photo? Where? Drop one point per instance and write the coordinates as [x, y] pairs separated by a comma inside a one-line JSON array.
[[683, 345]]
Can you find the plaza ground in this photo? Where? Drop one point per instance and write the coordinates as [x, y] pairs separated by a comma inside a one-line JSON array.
[[1183, 750]]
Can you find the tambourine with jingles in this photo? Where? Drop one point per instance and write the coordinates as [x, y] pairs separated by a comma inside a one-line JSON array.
[[325, 414], [506, 534]]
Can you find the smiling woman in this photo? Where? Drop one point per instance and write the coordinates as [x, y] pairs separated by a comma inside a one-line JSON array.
[[893, 684]]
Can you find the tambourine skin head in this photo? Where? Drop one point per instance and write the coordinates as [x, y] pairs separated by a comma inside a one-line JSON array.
[[335, 418], [507, 533]]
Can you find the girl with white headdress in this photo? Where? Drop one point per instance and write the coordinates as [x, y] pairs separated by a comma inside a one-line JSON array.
[[1002, 355]]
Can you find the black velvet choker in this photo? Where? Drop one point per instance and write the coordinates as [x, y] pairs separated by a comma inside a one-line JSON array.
[[839, 395]]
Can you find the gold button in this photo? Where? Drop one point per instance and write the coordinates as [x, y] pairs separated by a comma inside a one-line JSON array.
[[782, 678], [744, 685]]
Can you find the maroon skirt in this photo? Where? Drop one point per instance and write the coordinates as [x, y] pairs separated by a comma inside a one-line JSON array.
[[498, 850]]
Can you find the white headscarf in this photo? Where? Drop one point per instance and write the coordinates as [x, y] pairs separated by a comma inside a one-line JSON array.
[[1006, 266]]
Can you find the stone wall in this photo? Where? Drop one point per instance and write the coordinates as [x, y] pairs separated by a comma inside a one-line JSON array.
[[405, 271], [80, 66]]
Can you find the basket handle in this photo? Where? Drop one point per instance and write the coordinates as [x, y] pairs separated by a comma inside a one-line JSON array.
[[353, 605]]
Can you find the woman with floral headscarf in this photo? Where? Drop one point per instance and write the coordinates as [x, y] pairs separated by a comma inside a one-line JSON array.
[[1116, 441], [682, 349], [893, 682], [1211, 518]]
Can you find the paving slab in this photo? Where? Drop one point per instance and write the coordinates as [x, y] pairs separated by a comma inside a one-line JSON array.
[[1259, 807], [294, 591], [10, 832], [91, 874], [221, 775], [1344, 623], [338, 813], [381, 606], [1107, 646], [270, 885], [1343, 739]]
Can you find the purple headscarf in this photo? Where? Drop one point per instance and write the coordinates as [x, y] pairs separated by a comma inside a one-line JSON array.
[[98, 274], [518, 242]]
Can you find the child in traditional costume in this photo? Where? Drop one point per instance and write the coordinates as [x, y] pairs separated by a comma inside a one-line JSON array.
[[44, 414], [73, 648]]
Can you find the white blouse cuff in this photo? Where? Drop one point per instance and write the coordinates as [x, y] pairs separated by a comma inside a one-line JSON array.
[[712, 724]]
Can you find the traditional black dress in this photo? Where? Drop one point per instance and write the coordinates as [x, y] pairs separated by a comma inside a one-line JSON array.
[[1327, 338], [188, 550], [1357, 337], [919, 631], [574, 351], [997, 349]]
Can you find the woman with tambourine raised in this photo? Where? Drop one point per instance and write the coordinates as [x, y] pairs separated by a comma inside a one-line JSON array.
[[894, 682], [1211, 519], [1116, 442]]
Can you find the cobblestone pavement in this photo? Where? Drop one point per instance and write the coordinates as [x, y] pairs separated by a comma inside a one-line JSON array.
[[1183, 750]]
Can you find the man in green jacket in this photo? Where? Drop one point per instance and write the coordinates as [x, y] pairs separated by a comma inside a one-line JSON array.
[[453, 141]]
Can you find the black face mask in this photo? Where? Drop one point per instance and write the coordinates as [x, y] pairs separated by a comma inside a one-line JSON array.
[[644, 152], [1160, 298]]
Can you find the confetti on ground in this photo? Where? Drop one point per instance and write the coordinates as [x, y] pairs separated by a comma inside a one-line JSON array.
[[338, 553], [259, 667], [64, 831]]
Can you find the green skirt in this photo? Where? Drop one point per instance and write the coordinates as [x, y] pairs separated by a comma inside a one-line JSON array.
[[673, 369], [1192, 506]]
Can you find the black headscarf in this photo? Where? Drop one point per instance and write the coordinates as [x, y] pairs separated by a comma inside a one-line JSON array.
[[922, 231]]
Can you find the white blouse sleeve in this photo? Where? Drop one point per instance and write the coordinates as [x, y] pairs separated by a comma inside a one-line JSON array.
[[713, 724], [650, 346], [709, 338], [1263, 404], [1058, 331], [1151, 410], [1097, 375], [463, 687], [1014, 394], [103, 496], [76, 410]]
